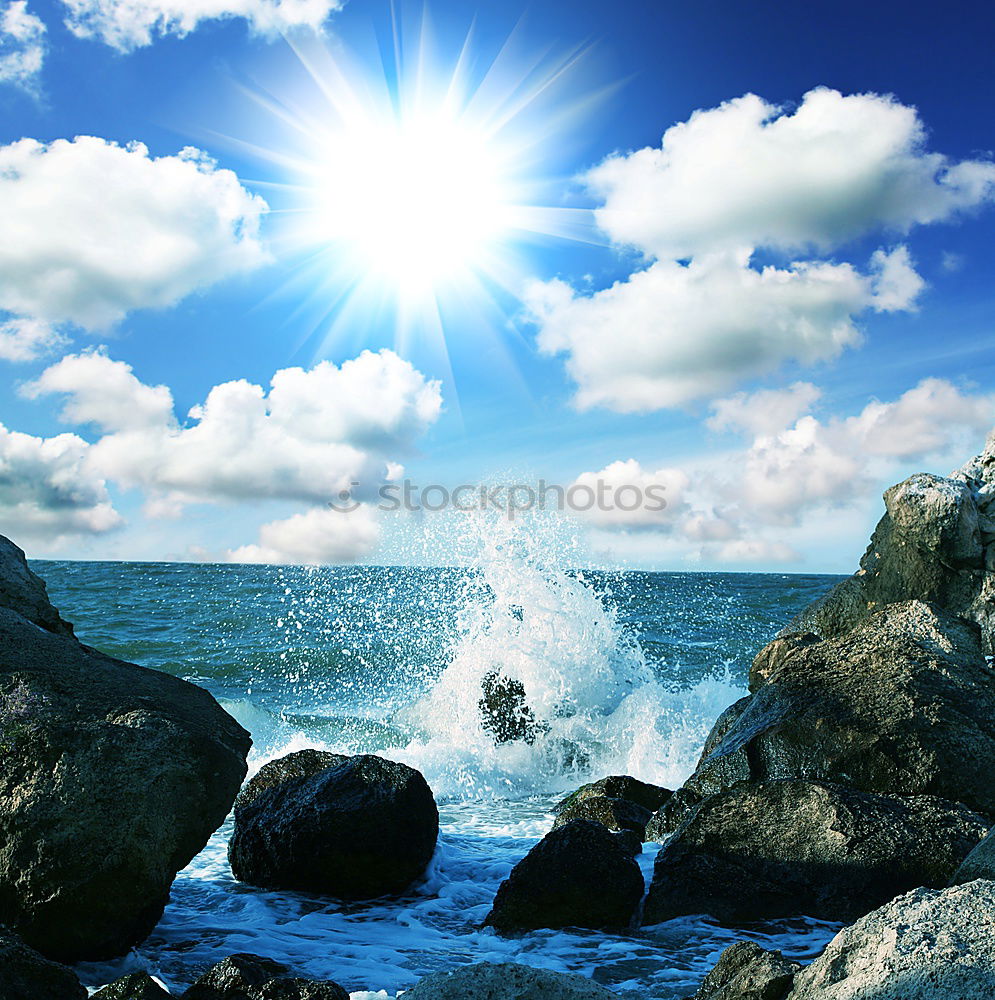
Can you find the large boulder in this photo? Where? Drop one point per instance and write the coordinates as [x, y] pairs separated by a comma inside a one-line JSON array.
[[613, 814], [578, 875], [135, 986], [980, 863], [745, 971], [927, 945], [506, 981], [25, 975], [936, 542], [250, 977], [349, 827], [618, 786], [23, 591], [904, 704], [800, 848], [112, 778]]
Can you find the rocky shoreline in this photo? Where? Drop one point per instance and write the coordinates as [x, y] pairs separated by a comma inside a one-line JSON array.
[[852, 784]]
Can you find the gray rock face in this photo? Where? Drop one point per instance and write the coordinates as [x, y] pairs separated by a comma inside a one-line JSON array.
[[113, 777], [137, 986], [577, 876], [927, 945], [613, 814], [249, 977], [936, 543], [745, 971], [671, 814], [619, 786], [23, 591], [980, 863], [506, 981], [790, 848], [25, 975], [349, 827], [904, 704]]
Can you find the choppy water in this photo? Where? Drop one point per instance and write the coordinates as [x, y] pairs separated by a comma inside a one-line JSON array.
[[630, 670]]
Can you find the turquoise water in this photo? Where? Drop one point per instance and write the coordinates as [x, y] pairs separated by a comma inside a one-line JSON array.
[[630, 668]]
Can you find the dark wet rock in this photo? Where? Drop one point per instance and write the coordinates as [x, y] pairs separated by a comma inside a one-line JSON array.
[[349, 827], [137, 986], [23, 591], [613, 814], [618, 786], [770, 659], [745, 971], [250, 977], [799, 848], [671, 814], [904, 704], [927, 945], [505, 712], [980, 863], [629, 841], [25, 975], [113, 778], [934, 543], [506, 981], [578, 875]]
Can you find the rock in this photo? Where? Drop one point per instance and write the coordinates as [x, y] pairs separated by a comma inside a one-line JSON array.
[[618, 786], [980, 863], [775, 849], [769, 660], [249, 977], [933, 544], [745, 971], [629, 841], [23, 591], [904, 704], [927, 945], [506, 981], [504, 711], [576, 876], [137, 986], [113, 779], [671, 814], [613, 814], [25, 975], [349, 827]]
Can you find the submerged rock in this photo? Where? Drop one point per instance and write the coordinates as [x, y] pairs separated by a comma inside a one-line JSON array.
[[578, 875], [25, 975], [745, 971], [250, 977], [800, 848], [904, 704], [506, 981], [980, 863], [927, 945], [113, 777], [504, 711], [137, 986], [936, 543], [349, 827]]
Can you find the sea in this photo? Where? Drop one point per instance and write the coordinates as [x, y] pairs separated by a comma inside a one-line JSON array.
[[629, 669]]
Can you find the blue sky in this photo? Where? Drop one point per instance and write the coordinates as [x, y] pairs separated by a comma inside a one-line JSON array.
[[773, 405]]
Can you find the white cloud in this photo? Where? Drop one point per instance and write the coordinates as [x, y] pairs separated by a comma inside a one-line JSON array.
[[90, 230], [27, 339], [131, 24], [765, 411], [313, 434], [22, 45], [896, 283], [750, 174], [48, 492], [319, 535], [627, 496], [674, 333]]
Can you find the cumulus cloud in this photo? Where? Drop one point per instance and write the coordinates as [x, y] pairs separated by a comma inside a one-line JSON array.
[[22, 45], [23, 339], [752, 174], [48, 491], [131, 24], [734, 507], [90, 230], [317, 536], [673, 333], [625, 495]]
